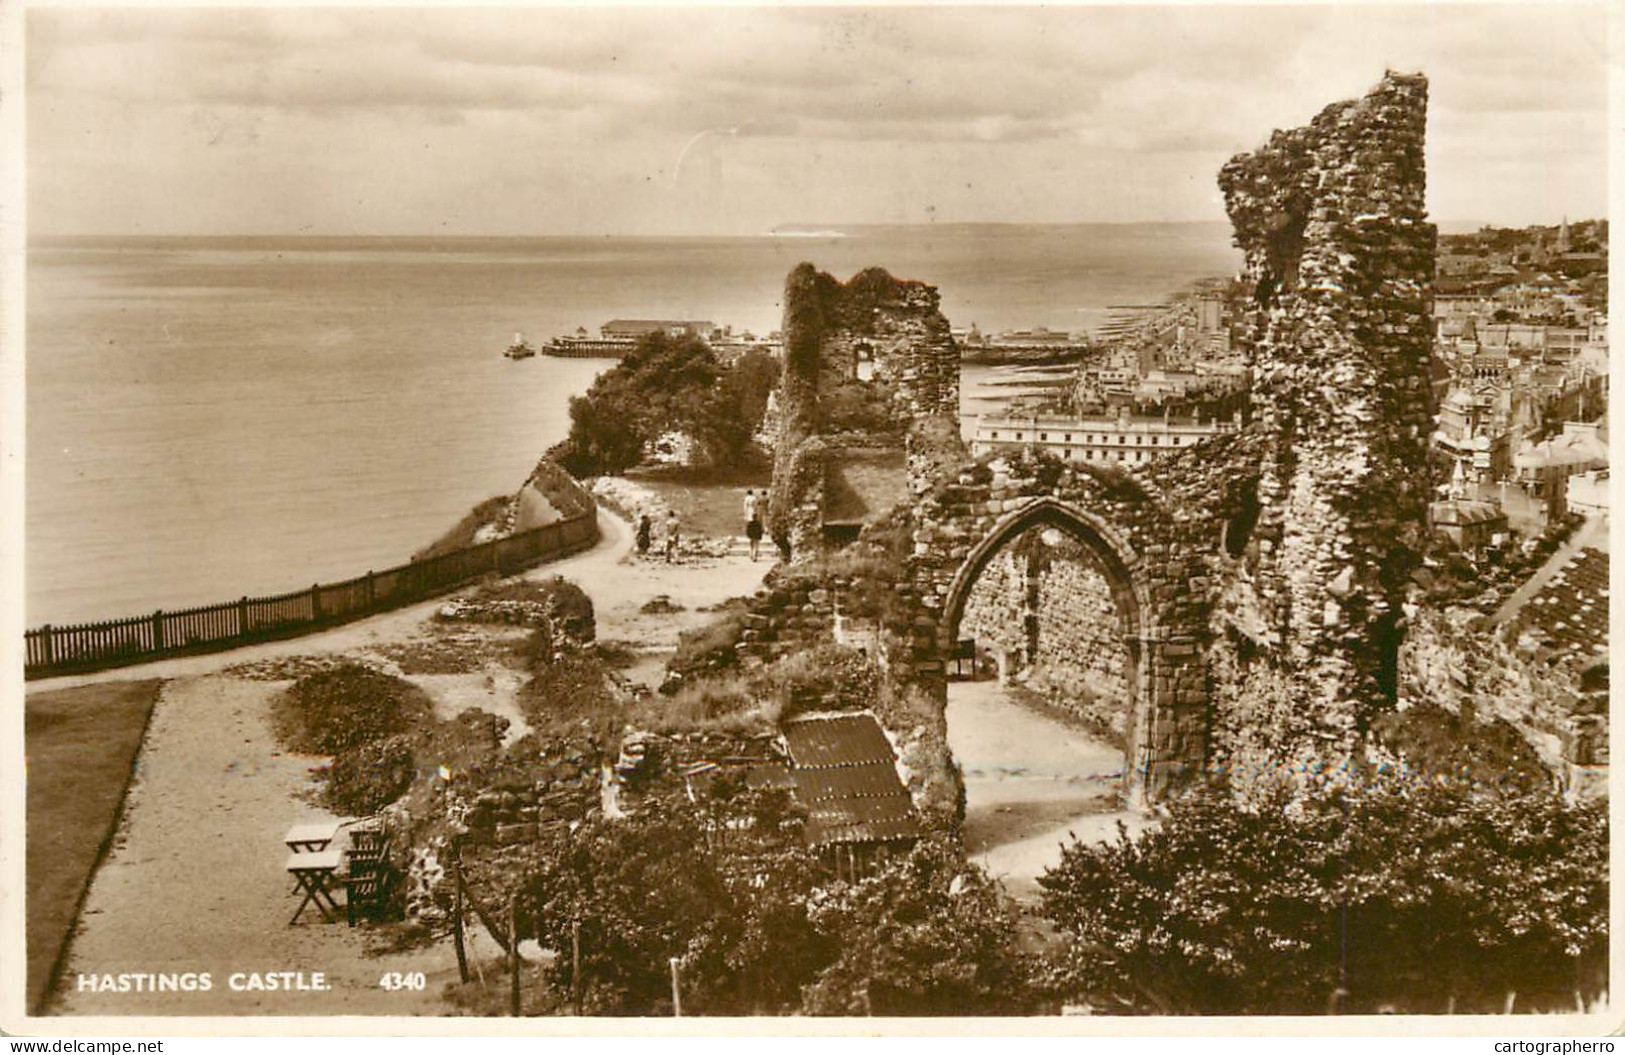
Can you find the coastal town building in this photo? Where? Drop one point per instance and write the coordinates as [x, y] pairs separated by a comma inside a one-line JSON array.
[[1472, 525], [1588, 493], [1119, 439], [1521, 360]]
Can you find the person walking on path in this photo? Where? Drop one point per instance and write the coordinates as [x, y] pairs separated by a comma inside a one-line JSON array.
[[645, 534], [671, 536], [753, 523]]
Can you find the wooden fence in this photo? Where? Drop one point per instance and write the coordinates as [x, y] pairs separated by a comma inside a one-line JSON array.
[[96, 646]]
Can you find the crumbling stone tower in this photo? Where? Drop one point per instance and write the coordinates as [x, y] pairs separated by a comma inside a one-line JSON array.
[[912, 398], [1331, 218]]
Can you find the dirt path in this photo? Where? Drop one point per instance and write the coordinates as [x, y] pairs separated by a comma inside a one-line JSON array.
[[196, 882], [618, 581], [1031, 783]]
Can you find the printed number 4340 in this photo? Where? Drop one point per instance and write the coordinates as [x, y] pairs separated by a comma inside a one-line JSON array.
[[395, 980]]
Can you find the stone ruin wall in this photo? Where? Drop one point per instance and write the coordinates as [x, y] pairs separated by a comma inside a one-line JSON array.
[[1157, 589], [1267, 570], [1082, 661], [825, 323], [995, 611], [1448, 663], [1331, 218]]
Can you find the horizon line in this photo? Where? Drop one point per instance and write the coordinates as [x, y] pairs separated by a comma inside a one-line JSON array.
[[813, 228]]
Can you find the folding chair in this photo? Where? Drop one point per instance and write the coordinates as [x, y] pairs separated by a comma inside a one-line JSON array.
[[367, 873]]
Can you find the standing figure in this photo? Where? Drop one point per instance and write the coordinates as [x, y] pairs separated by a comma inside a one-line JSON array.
[[753, 523], [671, 536], [645, 534]]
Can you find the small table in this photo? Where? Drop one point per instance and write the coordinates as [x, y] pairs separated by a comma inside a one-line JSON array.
[[311, 871], [312, 836]]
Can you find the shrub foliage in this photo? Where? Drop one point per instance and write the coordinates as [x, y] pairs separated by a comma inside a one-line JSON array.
[[369, 776], [757, 923], [334, 710], [1422, 896]]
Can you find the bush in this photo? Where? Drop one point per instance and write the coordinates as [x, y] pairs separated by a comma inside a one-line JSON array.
[[368, 777], [727, 704], [824, 677], [1427, 895], [653, 887], [710, 647], [926, 935], [1436, 742], [757, 923], [332, 711]]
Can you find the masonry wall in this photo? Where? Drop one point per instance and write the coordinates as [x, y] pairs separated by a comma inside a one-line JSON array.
[[1477, 674], [1151, 556], [995, 613], [1262, 576], [824, 409], [1331, 218], [1082, 662], [1079, 660]]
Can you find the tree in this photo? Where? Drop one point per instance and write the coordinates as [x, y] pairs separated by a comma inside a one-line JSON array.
[[727, 424], [758, 924], [926, 935], [666, 384], [674, 881], [1428, 894]]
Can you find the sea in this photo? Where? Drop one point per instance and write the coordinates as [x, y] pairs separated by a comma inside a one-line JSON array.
[[209, 418]]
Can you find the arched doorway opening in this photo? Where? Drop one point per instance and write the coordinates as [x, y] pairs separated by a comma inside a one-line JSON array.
[[1045, 721]]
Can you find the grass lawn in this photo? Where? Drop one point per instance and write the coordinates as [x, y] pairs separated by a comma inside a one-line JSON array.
[[80, 746], [708, 502]]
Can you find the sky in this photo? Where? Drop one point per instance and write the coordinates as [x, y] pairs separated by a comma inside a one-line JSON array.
[[734, 120]]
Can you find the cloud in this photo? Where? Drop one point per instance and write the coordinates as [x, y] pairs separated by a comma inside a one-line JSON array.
[[1047, 112]]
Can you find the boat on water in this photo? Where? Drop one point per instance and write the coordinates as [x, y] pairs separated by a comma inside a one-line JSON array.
[[519, 349]]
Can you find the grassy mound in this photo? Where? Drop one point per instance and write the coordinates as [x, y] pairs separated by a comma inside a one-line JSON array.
[[335, 710], [369, 776], [461, 536]]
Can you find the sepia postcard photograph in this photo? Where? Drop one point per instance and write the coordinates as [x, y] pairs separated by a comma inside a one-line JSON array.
[[833, 514]]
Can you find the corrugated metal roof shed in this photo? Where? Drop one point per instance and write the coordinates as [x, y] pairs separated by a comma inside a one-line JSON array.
[[826, 833], [838, 740], [874, 779], [846, 776]]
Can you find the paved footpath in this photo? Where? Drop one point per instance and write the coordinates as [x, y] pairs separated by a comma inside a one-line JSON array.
[[1031, 783]]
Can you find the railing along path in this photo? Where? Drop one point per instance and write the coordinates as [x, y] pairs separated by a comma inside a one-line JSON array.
[[96, 646]]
